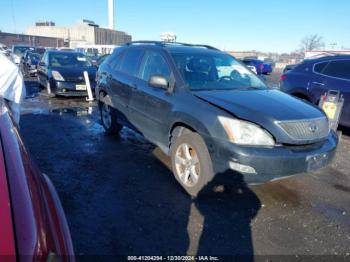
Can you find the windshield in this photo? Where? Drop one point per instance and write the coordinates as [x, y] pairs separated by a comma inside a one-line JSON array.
[[19, 50], [69, 60], [215, 72]]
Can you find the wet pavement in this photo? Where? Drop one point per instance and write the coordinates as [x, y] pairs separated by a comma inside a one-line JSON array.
[[120, 197]]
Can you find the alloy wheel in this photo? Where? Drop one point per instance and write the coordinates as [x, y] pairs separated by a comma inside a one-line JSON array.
[[106, 115], [187, 165]]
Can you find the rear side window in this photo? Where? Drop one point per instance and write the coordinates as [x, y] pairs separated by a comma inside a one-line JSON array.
[[318, 68], [129, 62], [339, 69], [154, 64]]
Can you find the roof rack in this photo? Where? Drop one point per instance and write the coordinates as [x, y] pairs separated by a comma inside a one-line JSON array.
[[162, 43]]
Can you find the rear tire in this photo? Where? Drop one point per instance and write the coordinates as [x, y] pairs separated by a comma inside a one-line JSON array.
[[191, 163], [109, 119]]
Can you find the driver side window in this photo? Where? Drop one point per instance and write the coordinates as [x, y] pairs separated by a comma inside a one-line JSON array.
[[154, 63]]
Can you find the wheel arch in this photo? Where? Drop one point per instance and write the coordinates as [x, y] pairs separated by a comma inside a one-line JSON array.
[[103, 97], [186, 123]]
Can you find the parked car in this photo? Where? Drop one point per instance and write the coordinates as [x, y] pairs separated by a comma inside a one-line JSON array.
[[4, 50], [260, 66], [30, 62], [39, 50], [33, 224], [18, 52], [314, 77], [93, 58], [62, 73], [252, 68], [210, 114], [270, 61]]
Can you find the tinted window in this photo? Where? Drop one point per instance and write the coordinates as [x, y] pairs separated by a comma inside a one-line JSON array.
[[129, 62], [339, 69], [114, 60], [154, 64], [320, 66]]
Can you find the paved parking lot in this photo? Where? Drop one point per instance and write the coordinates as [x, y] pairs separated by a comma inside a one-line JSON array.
[[121, 199]]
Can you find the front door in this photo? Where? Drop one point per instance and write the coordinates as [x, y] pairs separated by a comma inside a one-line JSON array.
[[151, 106]]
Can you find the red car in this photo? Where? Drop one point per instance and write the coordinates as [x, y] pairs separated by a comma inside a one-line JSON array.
[[33, 226]]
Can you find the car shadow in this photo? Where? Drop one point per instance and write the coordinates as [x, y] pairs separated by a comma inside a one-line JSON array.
[[227, 206]]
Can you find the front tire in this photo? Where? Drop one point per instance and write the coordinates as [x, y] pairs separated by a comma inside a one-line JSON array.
[[109, 119], [191, 163]]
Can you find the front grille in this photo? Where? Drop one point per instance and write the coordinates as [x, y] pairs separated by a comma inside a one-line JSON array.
[[306, 130], [74, 80]]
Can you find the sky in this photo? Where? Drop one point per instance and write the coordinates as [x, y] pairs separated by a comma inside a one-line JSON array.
[[240, 25]]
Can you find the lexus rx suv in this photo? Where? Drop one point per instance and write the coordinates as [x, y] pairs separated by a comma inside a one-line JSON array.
[[210, 114]]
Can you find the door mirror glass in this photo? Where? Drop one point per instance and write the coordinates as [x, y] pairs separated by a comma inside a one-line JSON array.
[[158, 81]]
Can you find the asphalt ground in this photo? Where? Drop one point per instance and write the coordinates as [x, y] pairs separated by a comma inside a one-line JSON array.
[[120, 198]]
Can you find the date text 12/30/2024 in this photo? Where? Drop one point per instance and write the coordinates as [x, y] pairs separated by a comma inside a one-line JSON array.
[[173, 258]]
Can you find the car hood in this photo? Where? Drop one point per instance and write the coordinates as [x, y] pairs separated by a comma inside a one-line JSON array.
[[263, 107]]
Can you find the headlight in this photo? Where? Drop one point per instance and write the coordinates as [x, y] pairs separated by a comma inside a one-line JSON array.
[[245, 133], [57, 76]]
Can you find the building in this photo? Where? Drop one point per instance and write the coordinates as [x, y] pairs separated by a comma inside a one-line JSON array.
[[10, 39], [243, 54], [84, 32]]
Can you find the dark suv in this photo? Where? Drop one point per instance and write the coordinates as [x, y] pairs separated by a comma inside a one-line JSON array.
[[210, 114], [314, 77]]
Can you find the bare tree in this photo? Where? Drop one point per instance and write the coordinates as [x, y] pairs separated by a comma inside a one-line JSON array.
[[311, 42]]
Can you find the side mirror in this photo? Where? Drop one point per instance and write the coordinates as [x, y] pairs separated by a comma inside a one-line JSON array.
[[42, 64], [158, 81]]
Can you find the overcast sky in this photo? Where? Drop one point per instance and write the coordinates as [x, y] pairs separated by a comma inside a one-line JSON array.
[[265, 25]]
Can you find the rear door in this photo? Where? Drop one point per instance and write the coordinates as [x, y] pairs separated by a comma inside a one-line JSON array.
[[151, 106], [317, 84], [123, 80], [337, 77]]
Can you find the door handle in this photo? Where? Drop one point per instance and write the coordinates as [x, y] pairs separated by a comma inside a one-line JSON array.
[[318, 83], [134, 87]]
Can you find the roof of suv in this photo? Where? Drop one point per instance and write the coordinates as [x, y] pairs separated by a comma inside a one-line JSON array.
[[326, 58], [175, 46]]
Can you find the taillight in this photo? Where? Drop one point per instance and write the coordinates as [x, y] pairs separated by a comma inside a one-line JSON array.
[[283, 77]]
